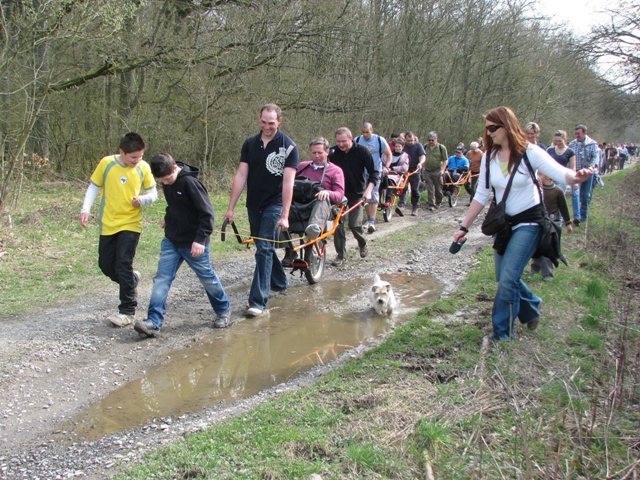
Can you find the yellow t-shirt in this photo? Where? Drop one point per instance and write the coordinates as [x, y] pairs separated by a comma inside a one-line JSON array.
[[119, 184]]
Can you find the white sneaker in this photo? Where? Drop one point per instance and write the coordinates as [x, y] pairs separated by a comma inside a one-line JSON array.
[[121, 320], [371, 227], [254, 312]]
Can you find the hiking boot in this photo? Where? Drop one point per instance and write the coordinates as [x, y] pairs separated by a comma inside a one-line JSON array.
[[533, 324], [254, 312], [547, 278], [146, 327], [576, 222], [121, 320], [222, 320], [371, 227], [364, 251], [338, 261], [414, 209]]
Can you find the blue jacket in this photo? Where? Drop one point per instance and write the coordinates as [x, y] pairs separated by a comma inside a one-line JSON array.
[[456, 163]]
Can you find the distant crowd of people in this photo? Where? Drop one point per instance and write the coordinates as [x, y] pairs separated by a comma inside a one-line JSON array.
[[354, 171]]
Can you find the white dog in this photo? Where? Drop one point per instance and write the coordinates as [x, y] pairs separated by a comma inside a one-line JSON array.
[[381, 296]]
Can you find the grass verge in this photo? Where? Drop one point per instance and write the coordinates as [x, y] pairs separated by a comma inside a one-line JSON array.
[[437, 400]]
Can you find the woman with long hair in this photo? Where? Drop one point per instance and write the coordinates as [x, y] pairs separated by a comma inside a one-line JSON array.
[[506, 144]]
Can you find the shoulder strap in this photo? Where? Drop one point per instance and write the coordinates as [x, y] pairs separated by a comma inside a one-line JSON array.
[[533, 177], [303, 169], [441, 147], [324, 170]]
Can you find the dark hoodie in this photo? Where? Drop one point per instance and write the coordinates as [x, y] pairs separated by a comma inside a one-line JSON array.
[[189, 214]]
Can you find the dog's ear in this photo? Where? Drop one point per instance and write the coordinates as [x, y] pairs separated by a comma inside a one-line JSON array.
[[374, 288]]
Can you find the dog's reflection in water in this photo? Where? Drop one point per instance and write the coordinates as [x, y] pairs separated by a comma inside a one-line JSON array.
[[381, 296]]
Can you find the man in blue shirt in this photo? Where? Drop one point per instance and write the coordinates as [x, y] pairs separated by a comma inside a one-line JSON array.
[[586, 150], [456, 165], [379, 148]]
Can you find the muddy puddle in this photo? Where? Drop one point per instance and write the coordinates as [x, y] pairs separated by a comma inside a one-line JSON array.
[[302, 331]]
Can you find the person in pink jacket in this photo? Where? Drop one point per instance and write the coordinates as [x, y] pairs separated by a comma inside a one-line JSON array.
[[332, 178]]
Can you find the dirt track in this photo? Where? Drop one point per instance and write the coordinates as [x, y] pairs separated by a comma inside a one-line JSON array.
[[55, 364]]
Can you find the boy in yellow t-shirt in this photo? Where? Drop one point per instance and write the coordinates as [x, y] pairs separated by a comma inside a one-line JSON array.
[[126, 184]]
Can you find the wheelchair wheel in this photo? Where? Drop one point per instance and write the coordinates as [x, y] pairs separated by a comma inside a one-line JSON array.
[[453, 198], [315, 261], [387, 213]]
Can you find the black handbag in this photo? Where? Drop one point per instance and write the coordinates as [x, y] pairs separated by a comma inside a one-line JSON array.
[[496, 219], [305, 189], [550, 231]]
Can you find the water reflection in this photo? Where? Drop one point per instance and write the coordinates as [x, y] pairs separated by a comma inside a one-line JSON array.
[[302, 331]]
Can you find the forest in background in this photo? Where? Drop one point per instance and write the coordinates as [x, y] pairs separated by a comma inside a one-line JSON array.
[[190, 75]]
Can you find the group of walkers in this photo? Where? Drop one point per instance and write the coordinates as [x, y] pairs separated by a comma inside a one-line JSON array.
[[354, 170]]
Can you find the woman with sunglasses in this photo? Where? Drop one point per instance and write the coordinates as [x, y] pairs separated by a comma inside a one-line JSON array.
[[506, 143]]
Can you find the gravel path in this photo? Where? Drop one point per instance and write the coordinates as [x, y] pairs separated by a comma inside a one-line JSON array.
[[54, 364]]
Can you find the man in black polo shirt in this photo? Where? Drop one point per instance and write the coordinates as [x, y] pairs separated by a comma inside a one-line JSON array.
[[354, 160], [268, 163]]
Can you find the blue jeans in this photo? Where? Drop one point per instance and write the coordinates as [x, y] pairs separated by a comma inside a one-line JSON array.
[[269, 273], [585, 198], [575, 201], [513, 298], [171, 257]]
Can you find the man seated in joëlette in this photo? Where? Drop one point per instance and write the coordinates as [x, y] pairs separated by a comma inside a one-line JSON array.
[[332, 177]]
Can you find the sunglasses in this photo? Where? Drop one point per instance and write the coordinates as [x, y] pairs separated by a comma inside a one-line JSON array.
[[493, 128]]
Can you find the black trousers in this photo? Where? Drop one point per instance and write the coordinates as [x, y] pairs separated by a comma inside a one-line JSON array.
[[115, 258]]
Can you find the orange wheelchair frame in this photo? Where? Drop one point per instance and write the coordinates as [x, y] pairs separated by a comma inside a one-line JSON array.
[[451, 189], [314, 251], [388, 208]]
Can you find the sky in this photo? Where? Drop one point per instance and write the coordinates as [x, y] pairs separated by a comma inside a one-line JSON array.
[[580, 14]]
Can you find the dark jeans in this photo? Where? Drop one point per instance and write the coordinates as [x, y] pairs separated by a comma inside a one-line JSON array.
[[269, 273], [414, 181], [115, 258], [355, 225], [472, 185]]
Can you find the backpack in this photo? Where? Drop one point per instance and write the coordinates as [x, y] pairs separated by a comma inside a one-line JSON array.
[[356, 140]]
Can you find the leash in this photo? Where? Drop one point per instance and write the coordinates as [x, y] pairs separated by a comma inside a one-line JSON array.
[[251, 239]]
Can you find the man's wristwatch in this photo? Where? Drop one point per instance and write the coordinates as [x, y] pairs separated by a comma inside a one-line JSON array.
[[464, 229]]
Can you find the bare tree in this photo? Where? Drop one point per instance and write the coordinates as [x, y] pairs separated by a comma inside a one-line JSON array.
[[618, 40]]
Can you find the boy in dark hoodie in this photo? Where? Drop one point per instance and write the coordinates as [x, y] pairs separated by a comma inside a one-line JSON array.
[[188, 223]]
